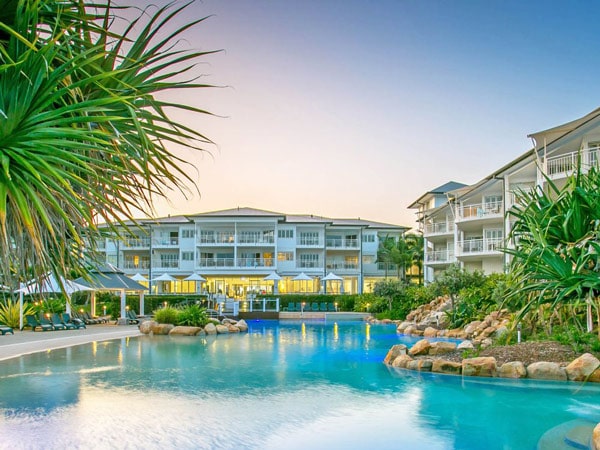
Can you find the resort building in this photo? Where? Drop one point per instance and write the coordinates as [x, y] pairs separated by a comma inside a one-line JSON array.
[[245, 251], [470, 224]]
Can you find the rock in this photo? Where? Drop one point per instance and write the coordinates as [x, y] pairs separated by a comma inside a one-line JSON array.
[[161, 328], [386, 321], [394, 352], [403, 326], [443, 366], [596, 438], [146, 327], [472, 327], [583, 367], [465, 345], [417, 332], [232, 328], [410, 329], [242, 325], [430, 332], [487, 332], [422, 365], [185, 331], [513, 369], [482, 366], [441, 347], [420, 348], [401, 361], [222, 329], [543, 370], [501, 331], [487, 342], [210, 328]]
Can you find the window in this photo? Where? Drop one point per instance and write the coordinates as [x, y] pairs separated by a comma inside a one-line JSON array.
[[285, 256], [285, 234], [309, 260], [187, 256], [493, 203], [368, 259], [309, 238], [368, 238], [188, 233], [169, 260], [207, 236]]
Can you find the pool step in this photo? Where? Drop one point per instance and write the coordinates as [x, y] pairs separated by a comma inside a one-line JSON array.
[[572, 435]]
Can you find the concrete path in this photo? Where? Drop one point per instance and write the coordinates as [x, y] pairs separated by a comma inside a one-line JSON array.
[[27, 341]]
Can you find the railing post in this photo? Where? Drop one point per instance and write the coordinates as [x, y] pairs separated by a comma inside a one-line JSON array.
[[264, 302]]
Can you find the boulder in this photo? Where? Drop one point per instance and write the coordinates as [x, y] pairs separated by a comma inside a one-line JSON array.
[[242, 325], [161, 328], [487, 342], [401, 361], [482, 366], [441, 347], [487, 332], [233, 328], [146, 327], [222, 329], [403, 326], [420, 348], [422, 365], [449, 367], [596, 438], [430, 332], [501, 331], [410, 329], [513, 369], [185, 331], [472, 327], [394, 352], [465, 345], [583, 367], [543, 370], [210, 328]]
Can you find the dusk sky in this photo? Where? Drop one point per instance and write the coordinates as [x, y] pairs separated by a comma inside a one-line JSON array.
[[355, 108]]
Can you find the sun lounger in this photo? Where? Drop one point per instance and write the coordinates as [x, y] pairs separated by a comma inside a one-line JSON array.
[[46, 321], [323, 306], [132, 317], [34, 323], [78, 323], [315, 306], [5, 329], [57, 323], [291, 307], [331, 307]]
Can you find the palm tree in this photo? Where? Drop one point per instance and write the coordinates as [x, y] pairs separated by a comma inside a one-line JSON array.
[[84, 135], [556, 257], [385, 252], [416, 244]]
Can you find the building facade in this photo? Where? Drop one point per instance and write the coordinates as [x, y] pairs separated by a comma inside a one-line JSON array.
[[236, 249], [469, 225]]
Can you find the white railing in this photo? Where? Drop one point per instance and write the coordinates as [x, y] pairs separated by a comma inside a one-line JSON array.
[[255, 262], [256, 240], [341, 243], [216, 238], [439, 228], [216, 262], [133, 265], [439, 256], [481, 210], [309, 242], [565, 164], [166, 242], [259, 304], [136, 243], [341, 265], [308, 264], [471, 246]]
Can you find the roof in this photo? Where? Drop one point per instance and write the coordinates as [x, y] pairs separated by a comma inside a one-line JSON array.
[[111, 279], [444, 188], [550, 135], [239, 212]]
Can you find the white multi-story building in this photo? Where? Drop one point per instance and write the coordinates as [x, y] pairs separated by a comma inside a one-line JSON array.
[[235, 249], [470, 224]]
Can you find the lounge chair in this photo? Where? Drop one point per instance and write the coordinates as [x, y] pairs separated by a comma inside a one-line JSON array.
[[323, 306], [132, 317], [291, 307], [331, 307], [55, 326], [78, 323], [315, 306], [5, 329], [57, 323], [34, 323]]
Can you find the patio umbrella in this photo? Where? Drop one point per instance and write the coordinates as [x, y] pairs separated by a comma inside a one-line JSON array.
[[139, 277], [302, 277], [197, 278], [275, 277], [49, 284], [331, 277], [165, 277]]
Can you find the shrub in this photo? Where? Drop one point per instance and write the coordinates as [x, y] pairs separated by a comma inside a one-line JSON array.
[[193, 316], [167, 315], [9, 312]]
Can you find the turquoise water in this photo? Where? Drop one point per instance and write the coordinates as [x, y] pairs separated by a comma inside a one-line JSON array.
[[310, 385]]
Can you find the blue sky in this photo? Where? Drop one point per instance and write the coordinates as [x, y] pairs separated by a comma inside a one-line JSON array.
[[355, 108]]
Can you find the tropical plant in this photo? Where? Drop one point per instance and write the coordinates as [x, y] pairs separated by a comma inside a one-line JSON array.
[[389, 290], [193, 316], [10, 312], [84, 135], [416, 244], [167, 315], [556, 256]]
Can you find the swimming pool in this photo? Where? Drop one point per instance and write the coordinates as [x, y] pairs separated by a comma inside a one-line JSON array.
[[310, 385]]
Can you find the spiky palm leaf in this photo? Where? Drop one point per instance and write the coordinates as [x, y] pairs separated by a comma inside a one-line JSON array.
[[83, 135]]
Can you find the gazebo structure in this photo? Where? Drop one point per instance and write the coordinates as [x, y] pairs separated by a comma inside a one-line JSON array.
[[109, 278]]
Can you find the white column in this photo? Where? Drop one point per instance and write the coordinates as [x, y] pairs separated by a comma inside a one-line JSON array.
[[142, 313], [123, 312]]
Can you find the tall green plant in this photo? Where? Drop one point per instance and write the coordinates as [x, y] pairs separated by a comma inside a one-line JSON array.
[[10, 312], [84, 135]]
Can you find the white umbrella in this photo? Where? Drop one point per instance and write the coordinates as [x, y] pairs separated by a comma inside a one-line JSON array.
[[195, 277], [139, 277], [331, 277], [275, 277], [165, 277], [302, 277]]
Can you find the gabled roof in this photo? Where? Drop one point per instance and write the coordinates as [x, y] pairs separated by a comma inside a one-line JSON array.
[[440, 190], [367, 224], [239, 212], [550, 135]]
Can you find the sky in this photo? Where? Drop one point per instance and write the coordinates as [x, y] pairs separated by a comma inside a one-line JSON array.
[[355, 108]]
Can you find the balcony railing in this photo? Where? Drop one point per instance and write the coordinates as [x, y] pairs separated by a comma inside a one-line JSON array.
[[216, 262], [471, 246], [130, 265], [255, 262], [565, 164], [341, 243], [216, 238], [308, 264], [170, 264], [341, 265], [309, 242], [439, 228], [166, 242], [481, 210], [136, 243], [256, 240], [439, 256], [386, 266]]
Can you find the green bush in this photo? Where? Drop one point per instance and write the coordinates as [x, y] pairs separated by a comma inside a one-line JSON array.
[[167, 315], [10, 312], [580, 340], [193, 316]]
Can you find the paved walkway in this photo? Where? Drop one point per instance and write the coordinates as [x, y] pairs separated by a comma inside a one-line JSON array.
[[27, 341]]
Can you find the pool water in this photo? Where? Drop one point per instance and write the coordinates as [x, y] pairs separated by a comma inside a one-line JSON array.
[[283, 385]]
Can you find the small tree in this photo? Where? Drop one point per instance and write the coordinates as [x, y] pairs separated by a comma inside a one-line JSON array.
[[389, 289]]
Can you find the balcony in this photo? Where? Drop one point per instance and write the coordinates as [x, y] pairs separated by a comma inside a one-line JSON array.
[[166, 242], [309, 265], [480, 211], [341, 265], [136, 243], [255, 262], [220, 238], [132, 265], [256, 240], [436, 228], [342, 243], [564, 165], [216, 262], [439, 257], [309, 242], [170, 264], [240, 263], [480, 246]]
